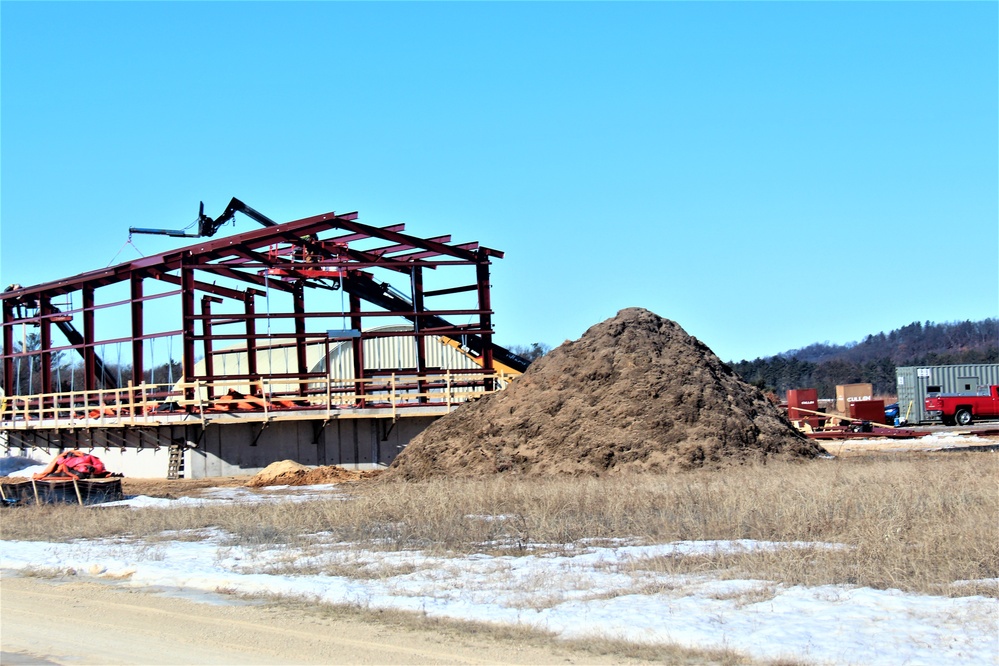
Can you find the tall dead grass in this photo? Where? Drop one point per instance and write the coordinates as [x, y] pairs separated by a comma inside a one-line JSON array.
[[917, 524]]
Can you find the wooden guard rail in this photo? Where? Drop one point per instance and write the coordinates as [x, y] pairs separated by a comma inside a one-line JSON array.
[[148, 404]]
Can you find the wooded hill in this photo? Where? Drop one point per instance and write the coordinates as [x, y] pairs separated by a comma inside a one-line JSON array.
[[822, 366]]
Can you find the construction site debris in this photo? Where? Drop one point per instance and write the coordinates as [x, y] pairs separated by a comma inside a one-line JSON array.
[[15, 491], [73, 464], [635, 393], [291, 473]]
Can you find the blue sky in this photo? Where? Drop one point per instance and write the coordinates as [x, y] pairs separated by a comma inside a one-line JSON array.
[[768, 175]]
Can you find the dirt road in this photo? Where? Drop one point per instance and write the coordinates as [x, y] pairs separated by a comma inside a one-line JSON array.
[[50, 622]]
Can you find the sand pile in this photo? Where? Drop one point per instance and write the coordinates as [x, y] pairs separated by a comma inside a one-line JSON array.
[[291, 473], [635, 393]]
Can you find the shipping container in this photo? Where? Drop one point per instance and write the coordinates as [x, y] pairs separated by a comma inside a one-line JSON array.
[[847, 393], [807, 399], [868, 410], [916, 382]]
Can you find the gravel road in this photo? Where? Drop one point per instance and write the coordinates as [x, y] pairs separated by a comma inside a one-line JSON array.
[[60, 622]]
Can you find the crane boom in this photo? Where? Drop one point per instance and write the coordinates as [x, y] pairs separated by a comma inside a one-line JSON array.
[[206, 225]]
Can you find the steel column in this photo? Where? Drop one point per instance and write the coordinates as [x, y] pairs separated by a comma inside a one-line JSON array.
[[206, 327], [418, 308], [251, 336], [187, 314], [301, 354], [138, 361], [45, 344], [8, 350], [485, 319], [89, 353], [358, 345]]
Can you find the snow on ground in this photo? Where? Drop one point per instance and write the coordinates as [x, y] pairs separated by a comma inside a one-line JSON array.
[[578, 590], [26, 472], [940, 439], [241, 494]]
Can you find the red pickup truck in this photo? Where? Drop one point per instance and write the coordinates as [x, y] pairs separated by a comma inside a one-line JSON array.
[[962, 410]]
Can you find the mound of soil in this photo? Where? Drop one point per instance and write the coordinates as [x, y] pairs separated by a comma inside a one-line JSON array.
[[291, 473], [636, 393]]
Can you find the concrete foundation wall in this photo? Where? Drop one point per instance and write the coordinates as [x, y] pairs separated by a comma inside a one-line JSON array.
[[230, 449], [134, 452]]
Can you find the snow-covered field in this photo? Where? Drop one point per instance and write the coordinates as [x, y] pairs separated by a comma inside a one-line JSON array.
[[575, 590]]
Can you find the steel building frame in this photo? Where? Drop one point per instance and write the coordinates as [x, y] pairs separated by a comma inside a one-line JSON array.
[[317, 254]]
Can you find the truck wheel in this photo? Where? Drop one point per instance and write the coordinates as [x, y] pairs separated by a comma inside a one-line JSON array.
[[963, 417]]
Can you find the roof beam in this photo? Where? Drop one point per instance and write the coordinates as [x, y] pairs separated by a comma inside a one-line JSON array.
[[414, 241], [413, 256], [399, 247]]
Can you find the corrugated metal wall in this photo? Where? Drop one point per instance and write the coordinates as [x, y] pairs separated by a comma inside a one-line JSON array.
[[395, 353], [915, 382], [391, 353]]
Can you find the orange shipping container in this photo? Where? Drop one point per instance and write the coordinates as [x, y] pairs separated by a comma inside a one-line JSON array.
[[847, 393]]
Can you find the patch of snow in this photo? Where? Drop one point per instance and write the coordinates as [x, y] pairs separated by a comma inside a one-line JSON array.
[[236, 494], [582, 590], [26, 472]]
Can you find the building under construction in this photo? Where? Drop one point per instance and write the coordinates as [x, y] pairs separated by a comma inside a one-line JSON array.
[[323, 340]]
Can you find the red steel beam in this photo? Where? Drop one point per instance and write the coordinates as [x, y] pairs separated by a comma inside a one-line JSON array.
[[251, 334], [300, 345], [89, 352], [8, 348], [45, 345], [138, 360], [187, 317]]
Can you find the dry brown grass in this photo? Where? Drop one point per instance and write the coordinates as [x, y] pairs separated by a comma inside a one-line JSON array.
[[914, 524]]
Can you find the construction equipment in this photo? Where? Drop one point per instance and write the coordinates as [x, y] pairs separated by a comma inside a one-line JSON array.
[[206, 225], [504, 361]]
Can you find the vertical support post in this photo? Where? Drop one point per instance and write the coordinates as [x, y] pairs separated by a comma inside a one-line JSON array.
[[300, 348], [421, 349], [358, 345], [131, 405], [206, 326], [329, 381], [393, 399], [138, 369], [8, 351], [187, 326], [485, 316], [89, 352], [45, 346], [251, 337]]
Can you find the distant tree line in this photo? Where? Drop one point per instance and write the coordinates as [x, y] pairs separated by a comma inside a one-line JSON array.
[[532, 352], [874, 360]]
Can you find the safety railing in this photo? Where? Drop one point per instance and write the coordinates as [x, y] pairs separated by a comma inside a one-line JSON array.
[[131, 405], [152, 404]]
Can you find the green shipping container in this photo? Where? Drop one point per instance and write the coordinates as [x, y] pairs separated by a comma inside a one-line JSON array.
[[917, 382]]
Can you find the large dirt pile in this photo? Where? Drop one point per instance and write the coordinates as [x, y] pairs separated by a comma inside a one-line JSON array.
[[291, 473], [635, 393]]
